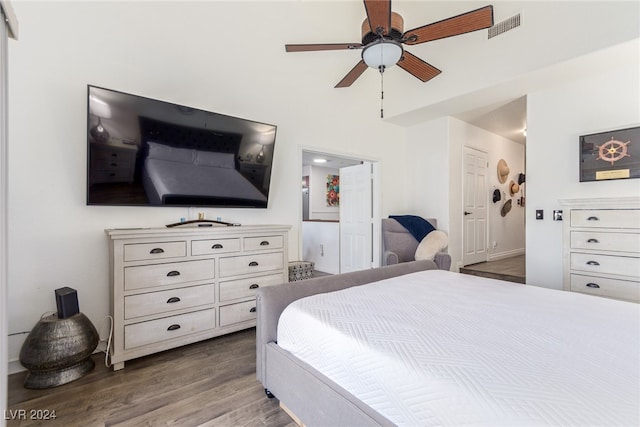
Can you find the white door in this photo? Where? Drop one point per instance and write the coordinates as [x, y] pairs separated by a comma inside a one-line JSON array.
[[474, 190], [356, 218]]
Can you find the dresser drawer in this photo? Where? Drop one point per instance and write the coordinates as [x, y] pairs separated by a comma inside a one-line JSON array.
[[605, 218], [621, 242], [146, 276], [147, 251], [119, 175], [167, 301], [606, 264], [246, 264], [106, 162], [246, 288], [613, 288], [214, 246], [168, 328], [264, 242], [236, 313]]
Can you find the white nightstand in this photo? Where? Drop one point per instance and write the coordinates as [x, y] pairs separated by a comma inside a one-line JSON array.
[[113, 161]]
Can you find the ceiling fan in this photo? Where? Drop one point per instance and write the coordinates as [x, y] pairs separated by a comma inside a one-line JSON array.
[[383, 37]]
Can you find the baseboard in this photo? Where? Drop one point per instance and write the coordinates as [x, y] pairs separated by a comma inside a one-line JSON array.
[[15, 366], [506, 254]]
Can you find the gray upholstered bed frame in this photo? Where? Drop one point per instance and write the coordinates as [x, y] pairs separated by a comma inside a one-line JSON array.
[[311, 396]]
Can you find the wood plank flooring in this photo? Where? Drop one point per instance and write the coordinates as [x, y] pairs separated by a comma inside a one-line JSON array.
[[511, 269], [210, 383]]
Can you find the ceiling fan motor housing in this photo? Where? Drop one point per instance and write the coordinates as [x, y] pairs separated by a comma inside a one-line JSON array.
[[370, 35]]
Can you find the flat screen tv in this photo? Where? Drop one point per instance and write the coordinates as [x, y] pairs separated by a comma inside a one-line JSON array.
[[147, 152]]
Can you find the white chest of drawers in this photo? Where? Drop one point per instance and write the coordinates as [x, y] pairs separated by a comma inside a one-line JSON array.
[[176, 286], [602, 247]]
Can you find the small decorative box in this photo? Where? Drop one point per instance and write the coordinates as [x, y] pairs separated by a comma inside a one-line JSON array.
[[300, 270]]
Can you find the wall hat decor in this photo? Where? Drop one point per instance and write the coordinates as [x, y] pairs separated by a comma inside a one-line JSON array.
[[506, 208], [496, 195], [514, 188], [503, 171]]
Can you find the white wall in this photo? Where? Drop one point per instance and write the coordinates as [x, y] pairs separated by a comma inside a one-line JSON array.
[[427, 171], [556, 117], [322, 245], [190, 53]]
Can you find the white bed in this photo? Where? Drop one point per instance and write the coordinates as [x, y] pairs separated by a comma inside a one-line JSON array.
[[441, 348]]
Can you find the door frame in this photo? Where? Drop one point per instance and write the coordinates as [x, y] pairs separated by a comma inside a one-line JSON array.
[[376, 185]]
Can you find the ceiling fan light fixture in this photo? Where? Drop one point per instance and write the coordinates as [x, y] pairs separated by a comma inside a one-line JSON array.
[[383, 53]]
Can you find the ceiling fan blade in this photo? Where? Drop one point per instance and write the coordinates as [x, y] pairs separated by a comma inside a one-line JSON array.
[[325, 46], [379, 15], [353, 74], [456, 25], [417, 67]]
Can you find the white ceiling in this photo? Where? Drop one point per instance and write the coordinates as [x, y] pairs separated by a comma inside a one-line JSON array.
[[507, 119]]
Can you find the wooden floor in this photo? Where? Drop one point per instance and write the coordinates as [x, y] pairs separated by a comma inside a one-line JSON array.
[[510, 269], [211, 383]]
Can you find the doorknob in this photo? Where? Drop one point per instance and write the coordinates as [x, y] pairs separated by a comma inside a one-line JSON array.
[[467, 213]]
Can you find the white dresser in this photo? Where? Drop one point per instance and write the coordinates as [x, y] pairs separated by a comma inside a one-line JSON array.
[[602, 247], [175, 286]]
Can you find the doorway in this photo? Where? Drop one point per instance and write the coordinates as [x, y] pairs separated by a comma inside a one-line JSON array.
[[325, 233]]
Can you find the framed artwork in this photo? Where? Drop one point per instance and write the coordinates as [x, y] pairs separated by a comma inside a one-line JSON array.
[[610, 155], [333, 190]]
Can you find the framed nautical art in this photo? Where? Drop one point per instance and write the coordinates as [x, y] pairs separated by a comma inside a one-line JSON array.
[[610, 155]]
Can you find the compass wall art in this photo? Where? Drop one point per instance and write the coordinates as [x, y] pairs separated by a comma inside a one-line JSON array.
[[610, 155]]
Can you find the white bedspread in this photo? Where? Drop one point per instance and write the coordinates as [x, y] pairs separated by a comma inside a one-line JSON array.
[[441, 348]]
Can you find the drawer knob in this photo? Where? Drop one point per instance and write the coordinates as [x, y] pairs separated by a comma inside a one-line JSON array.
[[592, 285], [253, 310], [173, 273], [593, 241], [264, 243], [156, 251], [593, 218], [173, 300], [593, 263], [253, 264], [173, 327], [217, 246], [254, 286]]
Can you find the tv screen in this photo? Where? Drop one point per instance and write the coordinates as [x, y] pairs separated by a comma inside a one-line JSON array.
[[147, 152]]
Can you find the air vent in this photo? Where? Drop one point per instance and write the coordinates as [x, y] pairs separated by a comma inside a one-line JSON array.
[[504, 26]]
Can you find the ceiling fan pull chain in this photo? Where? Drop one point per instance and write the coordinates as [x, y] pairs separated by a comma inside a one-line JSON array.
[[381, 68]]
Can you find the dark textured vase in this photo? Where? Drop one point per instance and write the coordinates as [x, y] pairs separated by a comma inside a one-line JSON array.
[[58, 351]]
